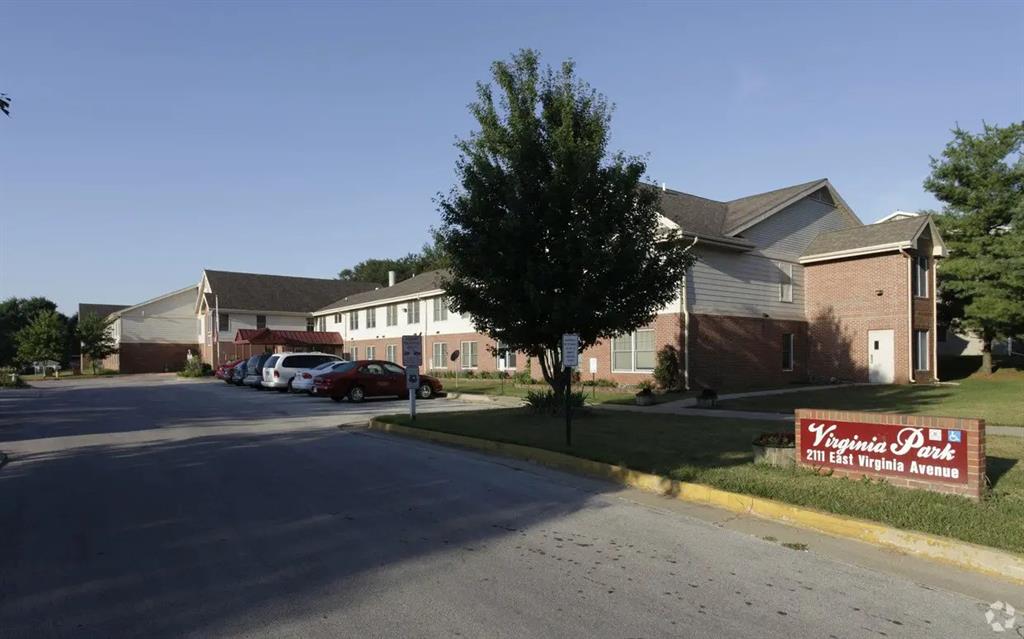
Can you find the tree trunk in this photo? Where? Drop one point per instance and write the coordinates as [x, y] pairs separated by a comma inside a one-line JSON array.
[[986, 355], [553, 374]]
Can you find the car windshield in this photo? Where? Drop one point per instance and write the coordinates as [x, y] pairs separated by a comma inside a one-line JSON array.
[[325, 365], [270, 362]]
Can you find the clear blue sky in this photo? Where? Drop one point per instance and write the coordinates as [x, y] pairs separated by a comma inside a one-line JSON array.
[[148, 141]]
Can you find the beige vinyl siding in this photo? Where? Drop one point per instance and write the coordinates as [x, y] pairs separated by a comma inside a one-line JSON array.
[[789, 232], [168, 320], [743, 284]]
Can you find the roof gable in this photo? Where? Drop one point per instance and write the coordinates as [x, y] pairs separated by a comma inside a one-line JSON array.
[[101, 310], [281, 293], [870, 238]]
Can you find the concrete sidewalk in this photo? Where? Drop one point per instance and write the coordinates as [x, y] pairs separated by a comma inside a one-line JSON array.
[[687, 406]]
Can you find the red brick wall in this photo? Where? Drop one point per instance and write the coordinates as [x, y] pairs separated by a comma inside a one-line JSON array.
[[843, 304], [734, 353], [144, 357], [973, 431]]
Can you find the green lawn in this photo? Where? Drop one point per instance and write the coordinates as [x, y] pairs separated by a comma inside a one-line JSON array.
[[717, 452], [996, 398]]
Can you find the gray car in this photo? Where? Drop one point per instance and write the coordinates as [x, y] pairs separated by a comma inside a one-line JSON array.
[[254, 369]]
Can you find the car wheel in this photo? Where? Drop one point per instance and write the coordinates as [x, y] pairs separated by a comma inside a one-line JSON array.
[[356, 394], [426, 391]]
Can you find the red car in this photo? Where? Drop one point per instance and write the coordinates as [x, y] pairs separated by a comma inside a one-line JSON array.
[[224, 370], [371, 378]]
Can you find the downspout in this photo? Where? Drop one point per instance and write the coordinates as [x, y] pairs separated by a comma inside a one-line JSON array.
[[216, 328], [685, 303], [934, 341], [910, 314]]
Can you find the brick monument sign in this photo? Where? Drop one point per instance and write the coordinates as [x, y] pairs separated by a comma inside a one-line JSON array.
[[943, 454]]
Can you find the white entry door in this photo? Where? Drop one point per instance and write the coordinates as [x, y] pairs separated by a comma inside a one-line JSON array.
[[881, 357]]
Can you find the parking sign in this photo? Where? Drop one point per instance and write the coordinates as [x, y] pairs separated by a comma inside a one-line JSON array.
[[570, 350], [412, 351]]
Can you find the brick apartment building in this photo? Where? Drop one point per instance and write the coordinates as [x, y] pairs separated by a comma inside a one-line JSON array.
[[788, 286]]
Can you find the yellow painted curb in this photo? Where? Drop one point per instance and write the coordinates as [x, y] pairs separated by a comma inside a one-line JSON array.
[[958, 553]]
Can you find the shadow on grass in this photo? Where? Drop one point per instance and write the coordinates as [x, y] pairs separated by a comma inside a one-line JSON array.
[[997, 467]]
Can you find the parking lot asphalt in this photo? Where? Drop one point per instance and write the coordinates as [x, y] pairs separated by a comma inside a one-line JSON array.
[[159, 508]]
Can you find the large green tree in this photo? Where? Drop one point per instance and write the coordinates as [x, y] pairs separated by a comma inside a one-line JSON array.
[[548, 232], [980, 180], [15, 314], [43, 339], [432, 256], [95, 338]]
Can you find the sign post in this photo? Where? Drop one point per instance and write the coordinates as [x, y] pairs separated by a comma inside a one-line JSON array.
[[593, 376], [412, 359], [570, 360]]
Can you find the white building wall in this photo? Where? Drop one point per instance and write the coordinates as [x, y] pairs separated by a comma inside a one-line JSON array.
[[248, 320], [454, 324]]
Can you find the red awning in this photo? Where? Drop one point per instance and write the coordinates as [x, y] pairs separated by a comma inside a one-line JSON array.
[[287, 338]]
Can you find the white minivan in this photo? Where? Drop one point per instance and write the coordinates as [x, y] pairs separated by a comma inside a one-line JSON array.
[[281, 367]]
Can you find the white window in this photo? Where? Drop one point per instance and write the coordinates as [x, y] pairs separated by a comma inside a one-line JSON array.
[[468, 356], [785, 282], [634, 352], [353, 320], [506, 357], [921, 276], [439, 355], [440, 309], [390, 352], [392, 315], [371, 318], [371, 352], [787, 352], [412, 312], [921, 351], [355, 353]]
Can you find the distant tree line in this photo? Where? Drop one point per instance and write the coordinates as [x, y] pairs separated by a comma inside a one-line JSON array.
[[31, 330], [432, 256]]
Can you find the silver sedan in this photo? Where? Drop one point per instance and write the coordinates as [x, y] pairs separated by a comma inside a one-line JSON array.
[[303, 380]]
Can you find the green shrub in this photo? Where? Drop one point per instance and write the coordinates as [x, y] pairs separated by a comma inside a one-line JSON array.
[[195, 368], [600, 383], [9, 378], [487, 375], [522, 377], [667, 371], [546, 403]]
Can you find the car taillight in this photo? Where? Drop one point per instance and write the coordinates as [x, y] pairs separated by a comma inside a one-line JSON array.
[[277, 374]]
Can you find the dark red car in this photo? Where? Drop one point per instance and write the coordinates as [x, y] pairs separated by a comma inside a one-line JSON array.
[[371, 378], [224, 370]]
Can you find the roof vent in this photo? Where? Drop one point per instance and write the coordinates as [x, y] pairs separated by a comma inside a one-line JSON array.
[[391, 278]]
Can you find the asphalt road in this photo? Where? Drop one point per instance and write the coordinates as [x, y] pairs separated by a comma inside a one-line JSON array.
[[155, 508]]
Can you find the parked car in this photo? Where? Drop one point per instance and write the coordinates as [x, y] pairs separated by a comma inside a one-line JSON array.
[[238, 373], [279, 370], [302, 382], [225, 370], [371, 378], [254, 369]]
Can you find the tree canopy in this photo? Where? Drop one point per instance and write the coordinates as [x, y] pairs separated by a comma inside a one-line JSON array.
[[94, 334], [15, 314], [980, 180], [548, 232], [43, 339]]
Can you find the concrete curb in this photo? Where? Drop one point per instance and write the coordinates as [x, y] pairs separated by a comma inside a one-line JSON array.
[[484, 399], [988, 561]]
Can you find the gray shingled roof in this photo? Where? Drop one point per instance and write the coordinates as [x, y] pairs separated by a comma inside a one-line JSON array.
[[869, 235], [102, 310], [429, 281], [252, 291], [713, 219]]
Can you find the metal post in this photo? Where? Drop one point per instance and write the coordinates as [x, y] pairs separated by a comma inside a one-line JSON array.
[[568, 409], [412, 404]]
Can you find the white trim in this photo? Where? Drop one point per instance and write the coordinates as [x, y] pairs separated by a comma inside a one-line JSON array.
[[632, 353], [867, 250], [155, 299], [935, 315], [476, 355]]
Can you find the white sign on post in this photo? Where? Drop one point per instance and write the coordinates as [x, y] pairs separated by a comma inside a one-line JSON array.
[[571, 350], [412, 351], [593, 365]]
